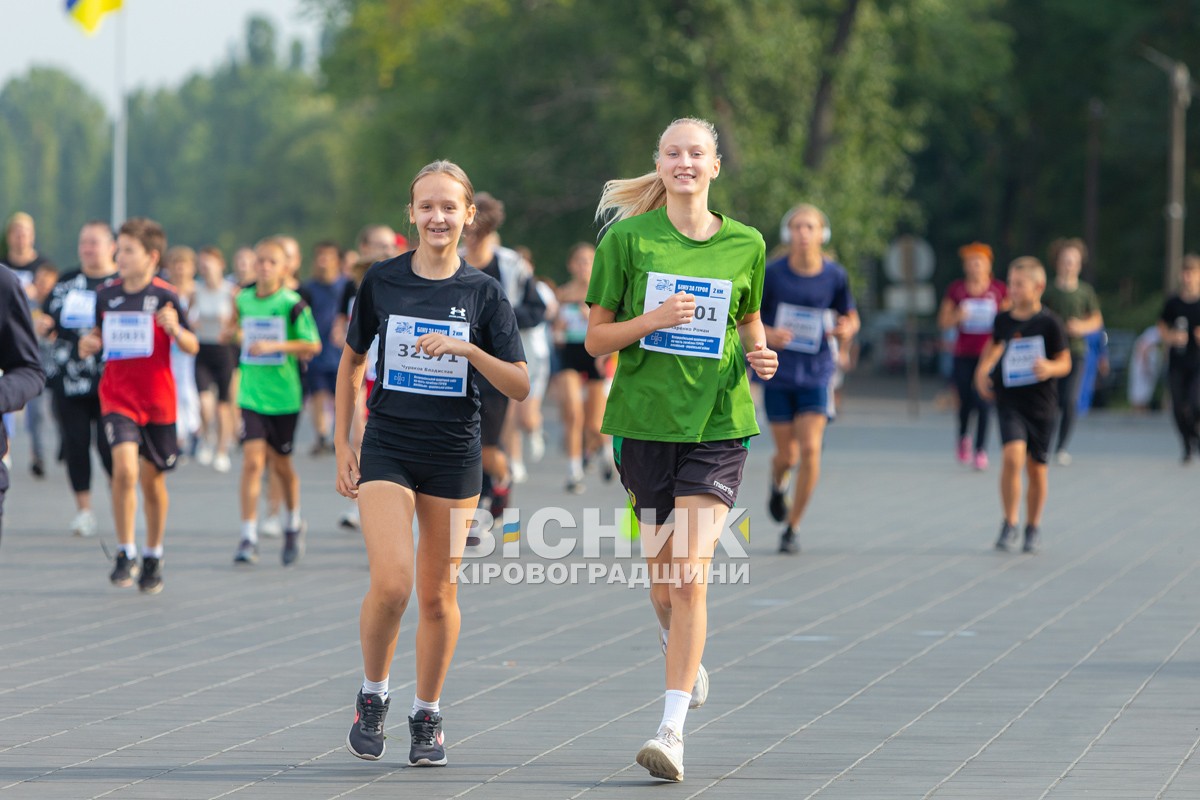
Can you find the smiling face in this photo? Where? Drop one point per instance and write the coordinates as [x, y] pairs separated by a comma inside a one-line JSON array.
[[687, 159], [440, 210]]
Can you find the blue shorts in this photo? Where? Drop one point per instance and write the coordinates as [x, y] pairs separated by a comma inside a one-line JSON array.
[[320, 379], [784, 405]]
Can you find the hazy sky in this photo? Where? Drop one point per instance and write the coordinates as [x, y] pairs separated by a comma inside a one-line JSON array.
[[166, 40]]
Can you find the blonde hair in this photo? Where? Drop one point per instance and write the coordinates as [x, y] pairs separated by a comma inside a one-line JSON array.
[[444, 167], [274, 241], [1031, 267], [180, 252], [20, 217], [628, 197]]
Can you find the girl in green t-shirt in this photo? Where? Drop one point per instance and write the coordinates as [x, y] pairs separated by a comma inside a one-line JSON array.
[[676, 289]]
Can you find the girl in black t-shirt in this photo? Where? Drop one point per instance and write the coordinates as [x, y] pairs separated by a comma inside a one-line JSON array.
[[1179, 325], [440, 323]]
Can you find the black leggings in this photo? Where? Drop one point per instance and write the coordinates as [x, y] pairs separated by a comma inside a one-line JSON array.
[[969, 400], [79, 421], [1068, 401], [1184, 382]]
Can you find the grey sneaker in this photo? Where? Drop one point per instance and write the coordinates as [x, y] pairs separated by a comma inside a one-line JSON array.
[[247, 553], [662, 756], [365, 739], [293, 545], [428, 742], [125, 570], [1008, 535]]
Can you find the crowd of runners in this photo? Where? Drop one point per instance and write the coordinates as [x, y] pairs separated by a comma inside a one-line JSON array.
[[422, 367]]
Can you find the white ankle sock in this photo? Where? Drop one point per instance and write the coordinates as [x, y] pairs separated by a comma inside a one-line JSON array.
[[250, 530], [152, 552], [375, 687], [675, 709], [130, 551], [293, 519], [433, 707]]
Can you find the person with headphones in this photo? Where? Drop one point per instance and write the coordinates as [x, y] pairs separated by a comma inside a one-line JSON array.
[[806, 303]]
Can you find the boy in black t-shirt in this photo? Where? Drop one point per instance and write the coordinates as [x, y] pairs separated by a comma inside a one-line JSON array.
[[1027, 352], [1179, 324]]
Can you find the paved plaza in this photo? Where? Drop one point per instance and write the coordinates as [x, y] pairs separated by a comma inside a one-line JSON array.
[[898, 656]]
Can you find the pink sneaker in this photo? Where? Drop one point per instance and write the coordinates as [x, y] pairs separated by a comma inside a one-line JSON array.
[[964, 450], [981, 461]]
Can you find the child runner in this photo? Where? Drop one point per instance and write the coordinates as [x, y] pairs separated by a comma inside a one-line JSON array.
[[138, 318], [1027, 352], [1076, 304], [1179, 326], [969, 308], [72, 308], [209, 316], [676, 289], [440, 323], [800, 291], [277, 329]]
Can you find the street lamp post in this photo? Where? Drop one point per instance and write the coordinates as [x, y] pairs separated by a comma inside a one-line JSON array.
[[1175, 211]]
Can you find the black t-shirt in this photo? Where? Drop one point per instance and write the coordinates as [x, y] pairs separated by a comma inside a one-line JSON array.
[[1038, 399], [346, 303], [415, 412], [1174, 310], [70, 374]]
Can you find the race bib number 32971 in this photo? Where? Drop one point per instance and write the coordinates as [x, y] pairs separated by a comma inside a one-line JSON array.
[[407, 369], [704, 336]]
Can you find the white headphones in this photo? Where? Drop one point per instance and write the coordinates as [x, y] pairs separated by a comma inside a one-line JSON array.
[[785, 234]]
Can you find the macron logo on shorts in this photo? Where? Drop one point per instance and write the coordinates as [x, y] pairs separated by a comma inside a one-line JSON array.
[[723, 488]]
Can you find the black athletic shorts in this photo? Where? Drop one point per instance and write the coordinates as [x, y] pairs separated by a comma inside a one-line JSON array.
[[573, 355], [655, 473], [156, 443], [1017, 426], [493, 406], [214, 369], [279, 430], [455, 482]]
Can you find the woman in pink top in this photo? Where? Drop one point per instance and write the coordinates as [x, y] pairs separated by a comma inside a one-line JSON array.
[[970, 306]]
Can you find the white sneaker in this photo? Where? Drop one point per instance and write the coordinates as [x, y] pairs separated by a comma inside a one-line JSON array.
[[204, 454], [537, 446], [1063, 458], [350, 519], [221, 462], [700, 687], [271, 527], [519, 473], [662, 756], [84, 523]]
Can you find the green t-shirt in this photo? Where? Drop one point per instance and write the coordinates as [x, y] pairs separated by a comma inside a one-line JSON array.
[[665, 397], [1079, 303], [271, 384]]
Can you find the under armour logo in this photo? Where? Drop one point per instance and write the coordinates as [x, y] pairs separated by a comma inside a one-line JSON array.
[[458, 313]]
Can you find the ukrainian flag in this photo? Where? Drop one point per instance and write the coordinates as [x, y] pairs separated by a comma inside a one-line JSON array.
[[88, 13]]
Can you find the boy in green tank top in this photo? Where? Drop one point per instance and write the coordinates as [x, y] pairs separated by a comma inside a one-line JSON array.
[[276, 328]]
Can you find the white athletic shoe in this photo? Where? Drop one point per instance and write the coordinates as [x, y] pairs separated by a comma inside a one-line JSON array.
[[537, 446], [662, 756], [204, 454], [1063, 458], [350, 519], [519, 473], [221, 463], [700, 687], [271, 527], [84, 523]]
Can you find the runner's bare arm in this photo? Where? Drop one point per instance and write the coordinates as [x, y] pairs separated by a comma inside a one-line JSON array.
[[605, 335]]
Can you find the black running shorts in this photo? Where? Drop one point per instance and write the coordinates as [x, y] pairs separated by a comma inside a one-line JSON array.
[[156, 443], [279, 430], [655, 473], [1016, 426]]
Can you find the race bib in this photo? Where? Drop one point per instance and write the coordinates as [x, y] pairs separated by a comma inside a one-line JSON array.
[[575, 316], [263, 329], [405, 369], [704, 336], [979, 313], [128, 334], [807, 326], [24, 277], [1016, 368], [79, 310]]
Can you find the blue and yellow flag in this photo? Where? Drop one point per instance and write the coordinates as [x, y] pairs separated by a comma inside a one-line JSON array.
[[88, 13]]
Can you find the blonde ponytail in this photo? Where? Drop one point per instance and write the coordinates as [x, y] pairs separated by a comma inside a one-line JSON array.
[[628, 197]]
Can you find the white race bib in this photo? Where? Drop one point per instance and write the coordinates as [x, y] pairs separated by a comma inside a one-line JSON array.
[[263, 329], [807, 326], [79, 310], [1016, 367], [128, 334], [24, 277], [979, 313], [704, 336], [405, 369]]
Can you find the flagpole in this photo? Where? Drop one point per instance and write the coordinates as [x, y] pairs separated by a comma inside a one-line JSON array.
[[120, 131]]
